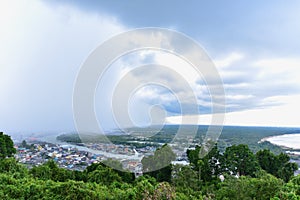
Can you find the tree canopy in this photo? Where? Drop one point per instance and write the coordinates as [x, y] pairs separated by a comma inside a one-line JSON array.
[[277, 165], [240, 160], [6, 146]]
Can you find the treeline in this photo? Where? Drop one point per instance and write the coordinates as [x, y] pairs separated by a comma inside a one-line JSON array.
[[129, 140], [230, 136], [100, 182], [237, 173]]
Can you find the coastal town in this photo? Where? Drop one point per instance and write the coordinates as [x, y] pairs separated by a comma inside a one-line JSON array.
[[69, 152], [78, 157]]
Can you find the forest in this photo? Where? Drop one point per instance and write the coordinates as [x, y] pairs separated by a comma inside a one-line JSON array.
[[237, 173]]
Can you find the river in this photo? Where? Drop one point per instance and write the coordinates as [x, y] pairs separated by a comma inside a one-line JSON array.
[[52, 139], [287, 140]]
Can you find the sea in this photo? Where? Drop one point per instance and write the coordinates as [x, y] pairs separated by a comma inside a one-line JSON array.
[[286, 140]]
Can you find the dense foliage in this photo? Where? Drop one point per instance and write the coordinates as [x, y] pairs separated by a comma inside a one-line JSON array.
[[159, 165], [6, 146], [237, 173], [277, 165]]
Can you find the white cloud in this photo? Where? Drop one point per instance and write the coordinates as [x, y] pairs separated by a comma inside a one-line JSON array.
[[286, 68], [200, 119], [236, 85], [246, 92], [286, 115], [268, 97], [228, 60], [238, 97]]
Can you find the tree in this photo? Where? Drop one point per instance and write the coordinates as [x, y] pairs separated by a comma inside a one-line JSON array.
[[209, 166], [185, 179], [105, 176], [159, 164], [263, 187], [287, 171], [239, 160], [42, 172], [50, 171], [278, 166], [6, 146], [290, 190], [267, 161], [116, 166], [24, 144], [145, 185], [125, 175], [11, 166], [162, 157], [163, 191], [193, 155]]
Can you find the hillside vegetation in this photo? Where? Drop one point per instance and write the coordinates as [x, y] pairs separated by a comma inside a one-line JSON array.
[[237, 173]]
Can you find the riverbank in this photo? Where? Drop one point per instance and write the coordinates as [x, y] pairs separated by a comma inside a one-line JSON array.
[[286, 141]]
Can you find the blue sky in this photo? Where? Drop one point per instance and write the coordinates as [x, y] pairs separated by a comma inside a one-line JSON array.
[[255, 46]]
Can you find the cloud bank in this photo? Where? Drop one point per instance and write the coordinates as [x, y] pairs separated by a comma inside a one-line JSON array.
[[43, 45], [42, 48]]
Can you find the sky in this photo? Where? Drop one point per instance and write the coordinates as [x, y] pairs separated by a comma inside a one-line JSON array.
[[254, 45]]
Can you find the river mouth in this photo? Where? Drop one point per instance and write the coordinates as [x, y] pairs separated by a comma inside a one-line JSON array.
[[286, 141]]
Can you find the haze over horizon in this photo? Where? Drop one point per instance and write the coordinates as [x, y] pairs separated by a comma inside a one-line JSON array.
[[254, 45]]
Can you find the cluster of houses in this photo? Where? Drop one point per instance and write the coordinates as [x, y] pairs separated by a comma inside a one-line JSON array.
[[64, 155], [78, 157], [70, 157], [111, 148]]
